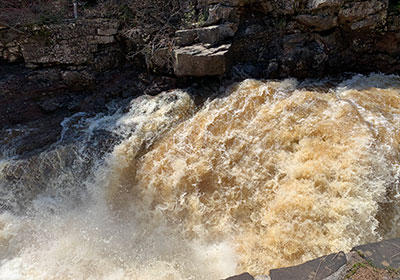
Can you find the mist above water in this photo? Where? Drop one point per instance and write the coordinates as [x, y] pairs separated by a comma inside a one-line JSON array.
[[272, 174]]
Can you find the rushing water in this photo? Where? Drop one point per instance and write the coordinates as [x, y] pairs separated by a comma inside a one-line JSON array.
[[272, 174]]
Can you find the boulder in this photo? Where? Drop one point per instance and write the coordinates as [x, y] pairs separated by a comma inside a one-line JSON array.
[[207, 35], [78, 80], [202, 60], [216, 33], [185, 37], [318, 22], [160, 59], [220, 13]]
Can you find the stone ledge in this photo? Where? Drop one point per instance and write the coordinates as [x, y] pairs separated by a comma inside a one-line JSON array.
[[67, 43], [202, 60], [207, 35]]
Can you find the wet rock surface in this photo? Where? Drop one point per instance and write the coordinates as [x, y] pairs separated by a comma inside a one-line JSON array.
[[381, 254], [36, 101], [316, 269], [380, 260]]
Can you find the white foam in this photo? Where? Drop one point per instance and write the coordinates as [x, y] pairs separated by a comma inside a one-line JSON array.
[[264, 177]]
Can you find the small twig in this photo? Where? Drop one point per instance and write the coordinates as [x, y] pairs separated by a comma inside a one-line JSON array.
[[75, 4], [395, 245], [319, 266], [13, 28], [395, 255]]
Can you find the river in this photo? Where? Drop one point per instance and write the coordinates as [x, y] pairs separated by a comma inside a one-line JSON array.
[[271, 174]]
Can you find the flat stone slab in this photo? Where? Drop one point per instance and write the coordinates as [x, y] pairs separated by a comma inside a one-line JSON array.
[[202, 60], [382, 254], [317, 269], [243, 276], [216, 33]]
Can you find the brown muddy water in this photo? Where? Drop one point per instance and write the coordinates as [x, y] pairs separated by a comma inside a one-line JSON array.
[[272, 174]]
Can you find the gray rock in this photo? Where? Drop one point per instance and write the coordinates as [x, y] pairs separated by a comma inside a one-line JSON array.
[[202, 60], [318, 22], [51, 105], [70, 43], [78, 80], [317, 269], [338, 275], [161, 58], [253, 29], [287, 7], [216, 33], [382, 254], [243, 276], [356, 11], [185, 37], [207, 35], [370, 22], [220, 13]]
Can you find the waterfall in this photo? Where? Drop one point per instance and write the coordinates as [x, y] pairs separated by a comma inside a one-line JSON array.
[[271, 174]]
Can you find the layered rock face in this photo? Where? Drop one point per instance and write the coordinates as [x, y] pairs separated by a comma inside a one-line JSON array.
[[84, 46], [62, 64], [50, 72], [260, 38], [301, 38]]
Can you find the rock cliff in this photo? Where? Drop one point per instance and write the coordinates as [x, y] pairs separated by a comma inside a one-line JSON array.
[[259, 38], [295, 38]]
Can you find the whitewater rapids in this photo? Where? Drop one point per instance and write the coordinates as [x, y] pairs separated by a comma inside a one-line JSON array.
[[272, 174]]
